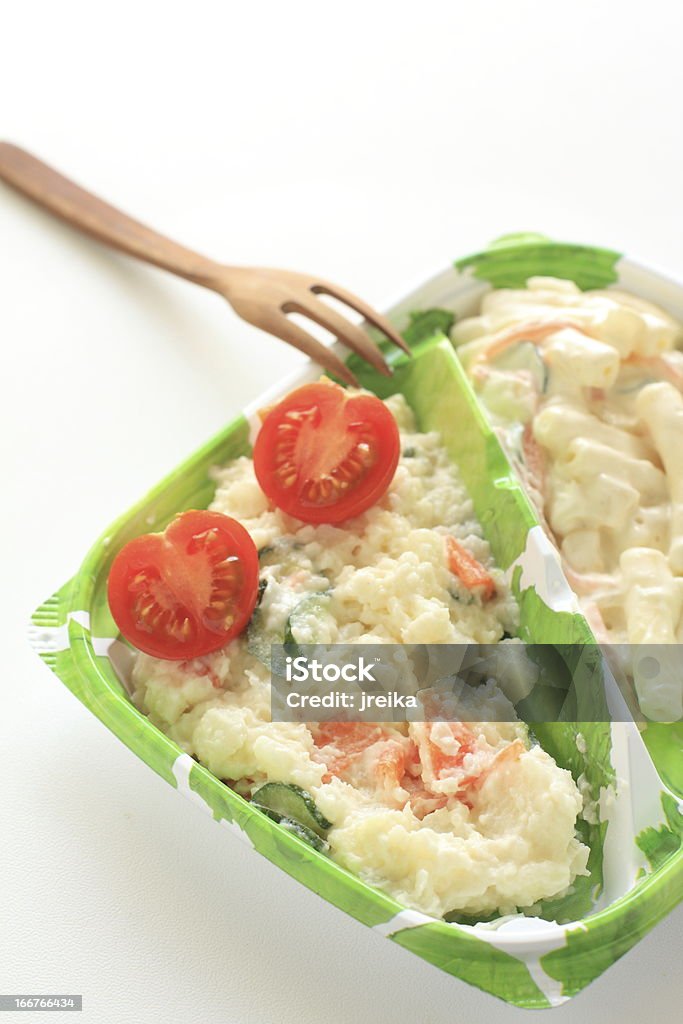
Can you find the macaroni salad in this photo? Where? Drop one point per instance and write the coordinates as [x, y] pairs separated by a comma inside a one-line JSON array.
[[585, 391]]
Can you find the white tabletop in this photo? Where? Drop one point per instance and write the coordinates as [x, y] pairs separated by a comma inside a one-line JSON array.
[[370, 143]]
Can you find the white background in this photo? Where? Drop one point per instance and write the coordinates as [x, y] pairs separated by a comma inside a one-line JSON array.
[[370, 143]]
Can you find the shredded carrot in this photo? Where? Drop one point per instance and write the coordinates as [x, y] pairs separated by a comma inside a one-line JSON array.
[[534, 331], [658, 365], [443, 763], [345, 742], [466, 567], [585, 584], [512, 752], [534, 460]]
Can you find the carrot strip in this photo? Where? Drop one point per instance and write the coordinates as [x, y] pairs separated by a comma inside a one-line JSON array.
[[534, 460], [466, 567], [534, 331], [658, 365], [512, 752]]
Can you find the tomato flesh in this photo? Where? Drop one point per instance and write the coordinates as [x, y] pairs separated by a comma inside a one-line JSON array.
[[188, 591], [323, 455]]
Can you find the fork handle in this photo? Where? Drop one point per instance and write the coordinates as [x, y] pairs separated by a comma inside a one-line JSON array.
[[83, 210]]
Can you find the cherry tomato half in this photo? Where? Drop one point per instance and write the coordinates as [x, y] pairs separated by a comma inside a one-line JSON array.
[[324, 455], [187, 591]]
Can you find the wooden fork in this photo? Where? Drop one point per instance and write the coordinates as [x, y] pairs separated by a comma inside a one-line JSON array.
[[261, 296]]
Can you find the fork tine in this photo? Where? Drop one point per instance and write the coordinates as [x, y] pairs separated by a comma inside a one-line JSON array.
[[350, 334], [296, 336], [381, 322]]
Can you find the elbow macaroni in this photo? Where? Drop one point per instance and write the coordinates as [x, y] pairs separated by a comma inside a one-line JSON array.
[[660, 408], [608, 422]]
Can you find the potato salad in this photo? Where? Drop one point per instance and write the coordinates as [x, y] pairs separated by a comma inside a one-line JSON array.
[[447, 817]]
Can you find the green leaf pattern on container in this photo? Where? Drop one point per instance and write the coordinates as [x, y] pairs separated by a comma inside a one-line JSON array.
[[658, 844], [513, 259]]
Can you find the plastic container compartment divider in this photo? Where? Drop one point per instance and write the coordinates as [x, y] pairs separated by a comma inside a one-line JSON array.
[[633, 822]]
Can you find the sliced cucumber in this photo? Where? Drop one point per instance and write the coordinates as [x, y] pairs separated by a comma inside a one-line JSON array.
[[630, 381], [525, 356], [282, 553], [258, 639], [303, 624], [513, 441], [308, 836], [292, 802]]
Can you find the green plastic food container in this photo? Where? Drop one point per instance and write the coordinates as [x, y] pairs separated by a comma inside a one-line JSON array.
[[633, 782]]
